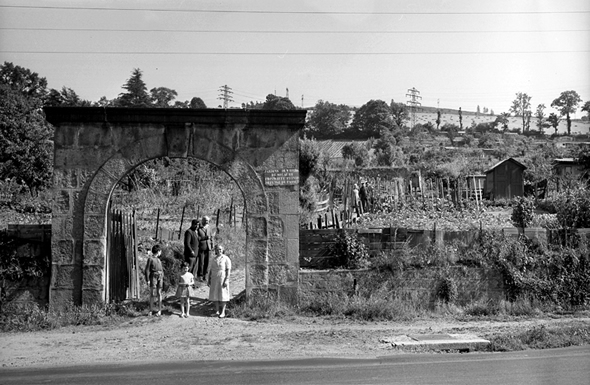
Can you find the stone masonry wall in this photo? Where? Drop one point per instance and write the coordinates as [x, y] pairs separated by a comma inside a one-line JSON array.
[[417, 285], [96, 147]]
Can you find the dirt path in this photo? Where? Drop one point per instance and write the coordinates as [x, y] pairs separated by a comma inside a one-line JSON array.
[[205, 337]]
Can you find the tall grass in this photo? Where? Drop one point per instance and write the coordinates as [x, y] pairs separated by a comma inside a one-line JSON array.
[[31, 317]]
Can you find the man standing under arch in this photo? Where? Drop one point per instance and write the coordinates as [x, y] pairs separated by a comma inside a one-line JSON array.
[[205, 236], [191, 247]]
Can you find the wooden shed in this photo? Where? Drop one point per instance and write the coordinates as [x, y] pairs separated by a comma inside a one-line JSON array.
[[505, 180]]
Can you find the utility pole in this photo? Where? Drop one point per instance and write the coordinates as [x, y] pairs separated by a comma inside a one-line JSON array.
[[225, 95], [301, 101], [413, 95], [287, 93]]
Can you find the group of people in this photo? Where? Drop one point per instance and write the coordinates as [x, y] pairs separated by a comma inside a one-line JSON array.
[[197, 266]]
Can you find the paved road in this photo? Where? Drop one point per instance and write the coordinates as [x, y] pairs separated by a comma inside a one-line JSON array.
[[553, 366]]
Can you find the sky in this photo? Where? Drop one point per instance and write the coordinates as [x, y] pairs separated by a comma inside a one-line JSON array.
[[455, 53]]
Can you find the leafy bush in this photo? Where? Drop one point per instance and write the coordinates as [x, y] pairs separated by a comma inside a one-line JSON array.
[[573, 208], [523, 211], [350, 251], [447, 290]]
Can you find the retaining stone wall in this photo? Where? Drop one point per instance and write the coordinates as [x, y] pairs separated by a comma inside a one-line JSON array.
[[419, 285]]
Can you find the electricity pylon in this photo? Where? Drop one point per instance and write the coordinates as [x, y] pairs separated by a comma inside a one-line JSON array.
[[225, 95], [413, 95]]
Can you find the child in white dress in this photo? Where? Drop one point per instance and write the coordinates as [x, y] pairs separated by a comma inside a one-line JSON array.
[[183, 290]]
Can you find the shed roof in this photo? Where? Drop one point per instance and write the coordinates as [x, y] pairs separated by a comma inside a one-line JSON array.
[[333, 148], [506, 160]]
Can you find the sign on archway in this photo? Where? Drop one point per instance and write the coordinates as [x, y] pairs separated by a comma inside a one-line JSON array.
[[95, 147]]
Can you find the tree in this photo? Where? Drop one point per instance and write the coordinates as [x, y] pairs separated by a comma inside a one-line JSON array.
[[274, 102], [386, 151], [197, 103], [460, 119], [162, 96], [521, 106], [502, 119], [22, 80], [136, 95], [372, 117], [25, 137], [358, 152], [553, 120], [328, 120], [67, 97], [400, 113], [451, 130], [437, 119], [540, 116], [478, 110], [586, 107], [566, 104]]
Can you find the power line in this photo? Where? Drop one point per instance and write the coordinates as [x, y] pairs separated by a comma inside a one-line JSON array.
[[184, 10], [283, 54], [287, 32]]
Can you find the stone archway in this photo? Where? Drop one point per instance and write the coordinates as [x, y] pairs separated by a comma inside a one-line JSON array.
[[96, 147]]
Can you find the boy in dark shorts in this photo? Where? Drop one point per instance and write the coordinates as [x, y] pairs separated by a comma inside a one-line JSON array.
[[154, 276]]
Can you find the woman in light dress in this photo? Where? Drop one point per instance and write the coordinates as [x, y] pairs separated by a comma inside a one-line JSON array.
[[218, 280]]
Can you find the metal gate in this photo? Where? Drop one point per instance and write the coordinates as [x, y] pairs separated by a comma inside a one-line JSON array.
[[122, 269]]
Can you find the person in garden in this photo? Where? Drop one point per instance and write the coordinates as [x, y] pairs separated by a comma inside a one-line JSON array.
[[154, 276], [183, 291], [364, 196], [205, 236], [191, 247], [218, 280]]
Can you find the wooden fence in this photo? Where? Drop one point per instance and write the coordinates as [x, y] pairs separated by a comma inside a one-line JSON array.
[[122, 268], [315, 245]]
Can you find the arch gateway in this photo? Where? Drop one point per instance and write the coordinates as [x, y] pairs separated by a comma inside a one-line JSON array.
[[95, 147]]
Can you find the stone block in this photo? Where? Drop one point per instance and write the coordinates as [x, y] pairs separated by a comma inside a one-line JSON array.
[[59, 298], [103, 183], [220, 155], [63, 276], [292, 250], [256, 203], [65, 136], [288, 294], [61, 202], [276, 227], [94, 135], [257, 227], [64, 178], [289, 202], [94, 252], [92, 296], [96, 202], [276, 250], [200, 147], [94, 227], [291, 222], [153, 147], [61, 226], [257, 252], [258, 275], [62, 251], [177, 139], [116, 166], [93, 277], [273, 202], [277, 275]]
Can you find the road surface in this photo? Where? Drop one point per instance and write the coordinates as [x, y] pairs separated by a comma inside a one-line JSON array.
[[552, 366]]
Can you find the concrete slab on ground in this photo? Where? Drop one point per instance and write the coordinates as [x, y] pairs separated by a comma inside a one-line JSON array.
[[436, 341]]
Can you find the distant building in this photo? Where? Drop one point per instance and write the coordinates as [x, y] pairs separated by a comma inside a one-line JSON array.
[[566, 169], [505, 180]]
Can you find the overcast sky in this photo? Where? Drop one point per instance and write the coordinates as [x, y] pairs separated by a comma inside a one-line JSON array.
[[456, 53]]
